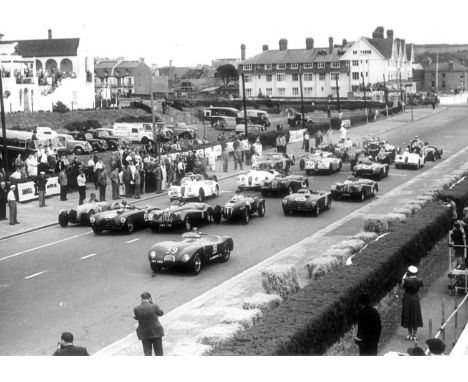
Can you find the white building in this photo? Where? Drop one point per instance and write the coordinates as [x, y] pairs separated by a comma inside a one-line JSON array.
[[39, 73]]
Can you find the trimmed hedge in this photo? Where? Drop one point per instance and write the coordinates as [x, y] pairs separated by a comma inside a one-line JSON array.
[[315, 317]]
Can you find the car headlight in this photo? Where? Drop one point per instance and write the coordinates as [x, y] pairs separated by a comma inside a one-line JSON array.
[[92, 219], [285, 202], [313, 203], [189, 189], [333, 187], [185, 258], [242, 179], [152, 254], [122, 220]]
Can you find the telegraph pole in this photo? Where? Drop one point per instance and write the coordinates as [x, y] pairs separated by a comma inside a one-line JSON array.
[[153, 119], [302, 96], [385, 95], [244, 103], [365, 101], [2, 112], [337, 93]]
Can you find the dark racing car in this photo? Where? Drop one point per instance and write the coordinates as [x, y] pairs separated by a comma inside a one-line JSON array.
[[367, 168], [431, 153], [240, 207], [276, 161], [191, 252], [354, 188], [121, 217], [306, 200], [179, 214], [281, 185]]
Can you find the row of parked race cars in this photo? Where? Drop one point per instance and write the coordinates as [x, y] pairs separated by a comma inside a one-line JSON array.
[[270, 178]]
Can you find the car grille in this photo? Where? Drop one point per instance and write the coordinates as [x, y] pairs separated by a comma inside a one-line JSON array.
[[72, 215], [165, 217], [274, 184], [169, 260], [110, 223]]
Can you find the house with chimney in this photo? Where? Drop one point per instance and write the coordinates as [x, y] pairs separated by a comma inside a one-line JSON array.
[[37, 74], [446, 77], [323, 71]]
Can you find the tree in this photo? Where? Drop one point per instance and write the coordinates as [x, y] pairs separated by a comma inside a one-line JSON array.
[[227, 73]]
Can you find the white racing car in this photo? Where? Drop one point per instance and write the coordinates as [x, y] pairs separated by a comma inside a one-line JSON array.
[[194, 186], [255, 179], [408, 159], [320, 161]]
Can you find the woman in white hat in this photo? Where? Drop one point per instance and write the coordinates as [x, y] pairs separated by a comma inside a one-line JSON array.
[[411, 316]]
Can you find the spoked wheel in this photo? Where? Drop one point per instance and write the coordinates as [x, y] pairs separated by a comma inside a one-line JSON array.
[[363, 195], [226, 255], [246, 217], [196, 264], [261, 210], [317, 211]]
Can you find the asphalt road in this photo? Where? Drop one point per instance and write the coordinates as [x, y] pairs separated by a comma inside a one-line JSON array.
[[61, 279]]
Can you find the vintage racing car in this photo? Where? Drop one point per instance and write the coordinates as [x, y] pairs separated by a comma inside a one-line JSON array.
[[121, 217], [194, 186], [306, 200], [276, 161], [367, 168], [191, 251], [240, 207], [254, 179], [408, 159], [431, 153], [179, 214], [81, 214], [280, 184], [320, 161], [354, 187]]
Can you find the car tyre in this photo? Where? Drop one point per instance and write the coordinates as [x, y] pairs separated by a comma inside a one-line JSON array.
[[363, 195], [285, 211], [217, 215], [63, 219], [155, 267], [290, 190], [196, 264], [97, 231], [187, 224], [216, 193], [246, 216], [226, 255], [155, 228], [87, 217], [334, 196], [78, 151], [129, 227], [317, 210], [201, 195], [302, 164], [261, 210]]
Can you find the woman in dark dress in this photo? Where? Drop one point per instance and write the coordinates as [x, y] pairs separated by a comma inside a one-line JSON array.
[[411, 317]]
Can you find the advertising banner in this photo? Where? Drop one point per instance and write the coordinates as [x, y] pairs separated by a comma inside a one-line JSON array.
[[28, 190], [245, 144], [52, 186], [346, 123], [296, 135]]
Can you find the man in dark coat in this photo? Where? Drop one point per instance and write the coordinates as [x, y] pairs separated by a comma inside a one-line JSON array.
[[369, 327], [102, 183], [41, 188], [149, 330], [66, 347], [3, 200]]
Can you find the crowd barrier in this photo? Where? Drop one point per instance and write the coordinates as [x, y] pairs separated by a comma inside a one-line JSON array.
[[28, 190]]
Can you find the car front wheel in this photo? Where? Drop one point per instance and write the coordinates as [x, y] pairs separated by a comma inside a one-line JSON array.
[[97, 231], [363, 195], [130, 227], [226, 255], [196, 264], [63, 219], [201, 195], [261, 210], [246, 217], [317, 211], [155, 267], [187, 224]]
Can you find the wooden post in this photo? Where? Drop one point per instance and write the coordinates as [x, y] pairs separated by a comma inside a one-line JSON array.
[[443, 320], [430, 328]]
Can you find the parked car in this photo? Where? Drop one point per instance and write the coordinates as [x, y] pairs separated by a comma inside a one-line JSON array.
[[367, 168], [408, 159], [112, 141], [194, 186], [72, 145], [254, 179], [276, 161], [121, 217], [281, 184], [179, 214], [239, 207], [320, 161], [305, 200], [354, 187], [191, 252], [258, 117], [96, 143], [82, 214], [183, 131]]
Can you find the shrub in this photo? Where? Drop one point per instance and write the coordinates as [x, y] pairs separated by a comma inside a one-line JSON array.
[[376, 223], [281, 280], [243, 317], [60, 107], [355, 245], [262, 301], [140, 105]]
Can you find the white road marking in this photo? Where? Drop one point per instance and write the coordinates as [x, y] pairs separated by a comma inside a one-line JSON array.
[[225, 192], [85, 257], [393, 174], [131, 241], [34, 275], [43, 246]]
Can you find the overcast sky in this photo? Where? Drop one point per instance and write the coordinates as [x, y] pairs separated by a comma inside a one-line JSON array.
[[191, 32]]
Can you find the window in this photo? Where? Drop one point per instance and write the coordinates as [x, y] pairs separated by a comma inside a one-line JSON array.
[[443, 84], [280, 77], [433, 75], [321, 65], [322, 76], [355, 62], [334, 76], [433, 83], [308, 90], [355, 75], [309, 65], [247, 67], [367, 74], [335, 64], [267, 66], [294, 66], [281, 91], [354, 51], [366, 52], [248, 78], [355, 88], [347, 63], [269, 77], [295, 77], [269, 92], [308, 77], [248, 92], [443, 75], [295, 91], [129, 81], [281, 66]]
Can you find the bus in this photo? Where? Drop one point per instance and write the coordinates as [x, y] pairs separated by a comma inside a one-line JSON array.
[[212, 113]]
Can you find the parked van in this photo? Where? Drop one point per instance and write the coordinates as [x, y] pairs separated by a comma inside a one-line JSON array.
[[213, 114], [258, 117], [134, 132], [45, 132]]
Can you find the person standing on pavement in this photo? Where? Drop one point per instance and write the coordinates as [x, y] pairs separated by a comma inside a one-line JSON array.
[[411, 316], [66, 348], [63, 182], [369, 327], [225, 158], [114, 178], [102, 184], [127, 177], [11, 199], [305, 142], [237, 154], [149, 330], [41, 188], [137, 183], [3, 200], [81, 182]]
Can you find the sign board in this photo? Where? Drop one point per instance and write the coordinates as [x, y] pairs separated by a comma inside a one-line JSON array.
[[245, 144], [346, 123], [296, 135], [28, 190], [217, 150], [52, 186], [229, 146]]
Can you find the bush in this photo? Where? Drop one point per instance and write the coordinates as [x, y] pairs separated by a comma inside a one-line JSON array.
[[281, 280], [140, 105], [60, 107]]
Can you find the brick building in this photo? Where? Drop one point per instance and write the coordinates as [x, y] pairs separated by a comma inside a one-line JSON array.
[[446, 77]]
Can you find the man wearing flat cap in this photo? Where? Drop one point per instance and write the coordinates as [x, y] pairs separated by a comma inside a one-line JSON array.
[[369, 327], [66, 347], [436, 346]]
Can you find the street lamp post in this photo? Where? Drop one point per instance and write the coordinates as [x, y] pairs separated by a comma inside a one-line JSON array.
[[302, 95], [153, 119], [365, 101], [244, 104], [385, 95], [2, 112]]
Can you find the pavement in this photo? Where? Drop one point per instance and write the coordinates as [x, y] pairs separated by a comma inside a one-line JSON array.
[[179, 322]]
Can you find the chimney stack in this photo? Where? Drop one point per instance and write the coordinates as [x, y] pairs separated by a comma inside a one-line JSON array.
[[242, 52], [309, 43], [390, 33], [1, 36], [265, 47], [50, 34], [283, 44], [345, 42], [330, 45]]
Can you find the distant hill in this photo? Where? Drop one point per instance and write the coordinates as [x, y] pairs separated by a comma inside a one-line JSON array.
[[427, 53]]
